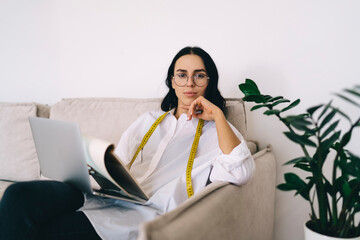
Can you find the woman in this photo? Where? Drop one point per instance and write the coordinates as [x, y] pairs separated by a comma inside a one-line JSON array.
[[193, 104]]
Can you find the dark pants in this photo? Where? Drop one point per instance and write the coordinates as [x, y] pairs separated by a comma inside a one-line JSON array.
[[43, 210]]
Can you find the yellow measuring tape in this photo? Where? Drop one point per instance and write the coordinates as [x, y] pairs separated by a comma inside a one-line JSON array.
[[146, 138], [194, 146]]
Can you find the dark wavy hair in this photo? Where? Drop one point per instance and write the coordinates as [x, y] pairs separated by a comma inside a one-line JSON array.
[[212, 92]]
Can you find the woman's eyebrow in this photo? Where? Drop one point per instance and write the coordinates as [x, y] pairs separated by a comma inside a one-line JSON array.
[[196, 70]]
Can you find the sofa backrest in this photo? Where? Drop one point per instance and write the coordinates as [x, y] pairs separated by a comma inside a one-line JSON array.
[[107, 118], [104, 118]]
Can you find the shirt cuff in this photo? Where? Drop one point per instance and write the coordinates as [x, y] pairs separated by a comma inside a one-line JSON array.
[[236, 167]]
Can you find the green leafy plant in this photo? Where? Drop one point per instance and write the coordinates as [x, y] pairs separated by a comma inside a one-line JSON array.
[[338, 198]]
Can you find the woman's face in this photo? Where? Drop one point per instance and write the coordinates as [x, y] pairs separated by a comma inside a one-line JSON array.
[[189, 65]]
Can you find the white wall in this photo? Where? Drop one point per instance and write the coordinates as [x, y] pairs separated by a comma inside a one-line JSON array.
[[50, 49]]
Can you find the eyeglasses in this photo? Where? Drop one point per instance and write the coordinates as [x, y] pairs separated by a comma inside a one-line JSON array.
[[200, 79]]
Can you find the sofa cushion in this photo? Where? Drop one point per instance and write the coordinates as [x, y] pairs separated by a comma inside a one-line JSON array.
[[104, 118], [107, 118], [17, 150]]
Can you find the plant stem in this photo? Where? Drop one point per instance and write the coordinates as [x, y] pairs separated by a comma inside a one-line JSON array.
[[334, 175], [312, 207], [333, 199], [323, 200]]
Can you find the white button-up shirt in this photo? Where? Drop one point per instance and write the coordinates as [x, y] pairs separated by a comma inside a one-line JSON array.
[[160, 169]]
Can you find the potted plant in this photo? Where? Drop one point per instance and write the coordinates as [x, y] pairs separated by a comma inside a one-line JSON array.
[[337, 199]]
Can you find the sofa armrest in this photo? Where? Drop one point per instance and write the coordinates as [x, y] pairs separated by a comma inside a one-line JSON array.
[[222, 210]]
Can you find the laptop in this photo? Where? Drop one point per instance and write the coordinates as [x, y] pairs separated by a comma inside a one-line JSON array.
[[62, 157]]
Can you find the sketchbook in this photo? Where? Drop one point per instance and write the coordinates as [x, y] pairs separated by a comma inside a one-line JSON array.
[[110, 173]]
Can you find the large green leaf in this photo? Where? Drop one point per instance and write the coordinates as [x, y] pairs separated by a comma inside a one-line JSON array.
[[292, 182], [252, 83], [285, 187], [310, 132], [353, 183], [260, 106], [291, 118], [329, 188], [293, 104], [300, 139], [329, 129], [326, 107], [347, 99], [328, 118], [325, 145], [271, 112], [342, 113], [294, 179], [306, 191], [353, 92], [337, 186], [355, 159], [298, 160], [274, 98], [280, 101], [350, 168], [249, 88], [346, 138], [313, 109], [267, 97], [301, 124], [304, 166], [342, 154], [254, 98]]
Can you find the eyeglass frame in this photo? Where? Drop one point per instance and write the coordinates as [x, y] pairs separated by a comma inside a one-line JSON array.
[[187, 79]]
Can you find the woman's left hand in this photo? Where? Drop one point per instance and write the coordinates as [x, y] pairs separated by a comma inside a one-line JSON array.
[[203, 109], [210, 112]]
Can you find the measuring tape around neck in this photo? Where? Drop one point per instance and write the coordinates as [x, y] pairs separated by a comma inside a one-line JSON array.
[[194, 146], [189, 166], [146, 138]]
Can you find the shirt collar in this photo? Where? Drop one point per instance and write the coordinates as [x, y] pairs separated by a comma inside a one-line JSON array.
[[194, 121]]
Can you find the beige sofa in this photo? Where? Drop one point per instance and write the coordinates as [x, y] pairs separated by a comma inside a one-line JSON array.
[[220, 211]]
